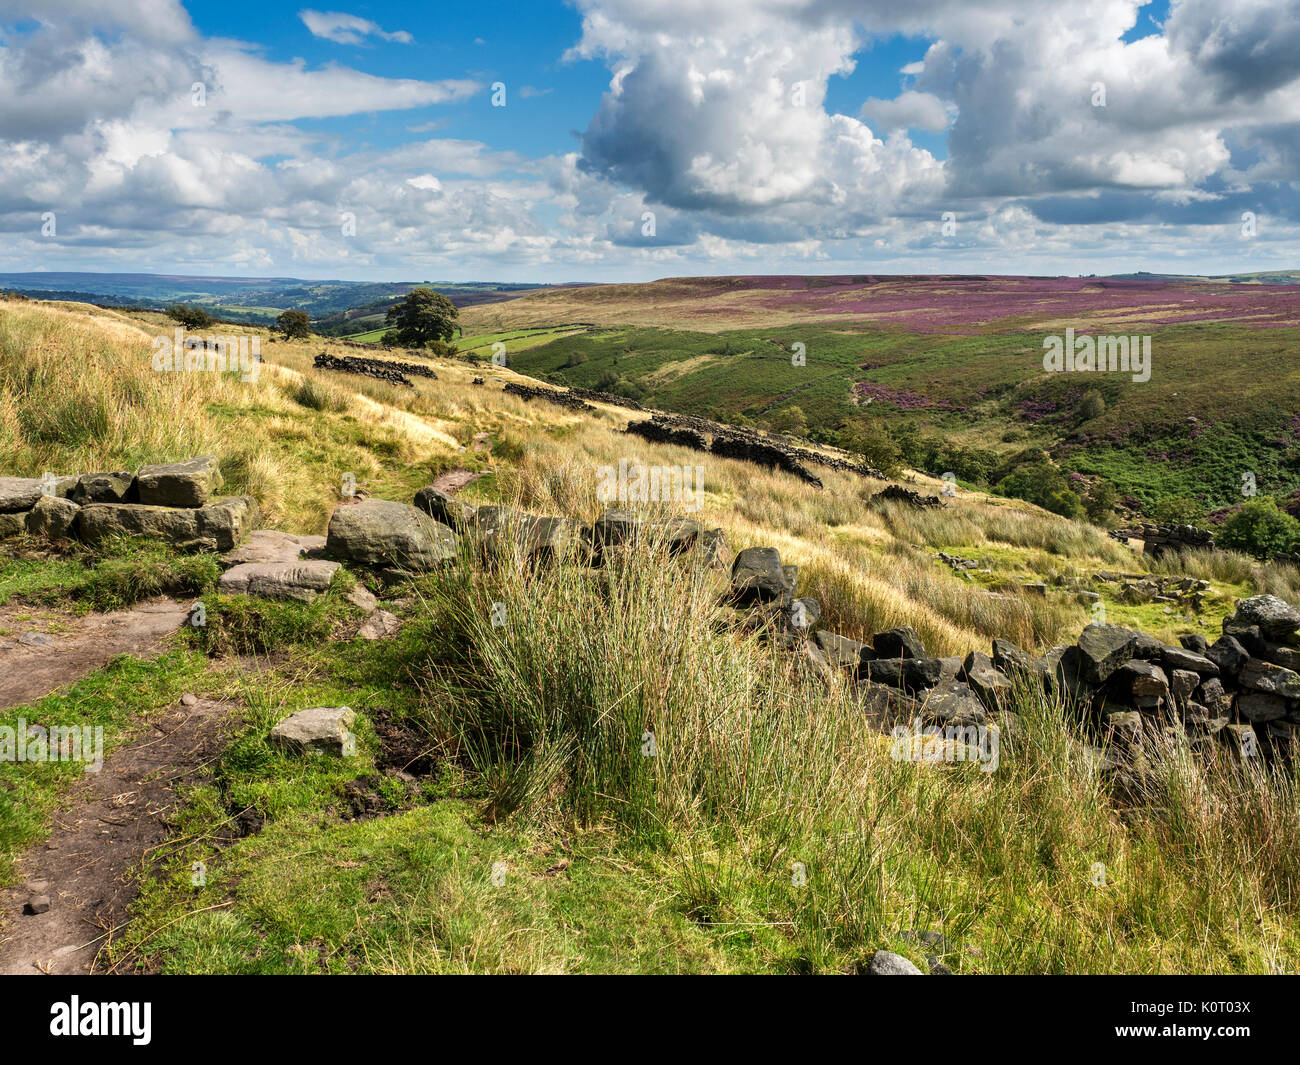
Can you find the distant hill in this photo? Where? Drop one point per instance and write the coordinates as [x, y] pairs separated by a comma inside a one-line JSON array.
[[1266, 277], [253, 299]]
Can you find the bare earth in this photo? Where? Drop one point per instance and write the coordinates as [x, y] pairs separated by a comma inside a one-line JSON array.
[[109, 824], [31, 668]]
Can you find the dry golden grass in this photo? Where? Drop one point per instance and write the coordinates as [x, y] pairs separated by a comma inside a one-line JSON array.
[[78, 393]]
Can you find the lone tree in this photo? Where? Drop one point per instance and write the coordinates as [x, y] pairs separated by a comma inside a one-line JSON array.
[[295, 325], [190, 317], [422, 318]]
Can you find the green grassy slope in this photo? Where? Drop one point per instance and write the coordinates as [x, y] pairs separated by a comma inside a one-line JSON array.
[[1220, 401]]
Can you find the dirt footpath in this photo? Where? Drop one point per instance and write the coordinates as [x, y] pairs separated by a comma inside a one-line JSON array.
[[100, 838], [45, 650]]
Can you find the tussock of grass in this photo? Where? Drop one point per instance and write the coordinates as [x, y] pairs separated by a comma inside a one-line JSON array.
[[758, 767]]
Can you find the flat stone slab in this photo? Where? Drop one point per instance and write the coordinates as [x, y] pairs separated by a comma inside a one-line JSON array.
[[271, 545], [179, 484], [320, 730], [381, 625], [219, 526], [18, 493], [302, 580]]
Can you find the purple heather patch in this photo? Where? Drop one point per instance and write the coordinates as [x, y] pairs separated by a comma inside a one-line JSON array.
[[899, 397], [953, 305]]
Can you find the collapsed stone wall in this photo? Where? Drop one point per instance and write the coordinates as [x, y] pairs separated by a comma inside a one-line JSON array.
[[380, 369], [1242, 691], [1158, 539], [175, 503], [725, 442], [791, 454], [551, 395], [896, 493], [606, 397]]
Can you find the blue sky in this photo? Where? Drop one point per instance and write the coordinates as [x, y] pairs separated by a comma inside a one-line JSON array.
[[649, 138]]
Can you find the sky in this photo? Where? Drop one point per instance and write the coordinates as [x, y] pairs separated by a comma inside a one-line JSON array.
[[625, 140]]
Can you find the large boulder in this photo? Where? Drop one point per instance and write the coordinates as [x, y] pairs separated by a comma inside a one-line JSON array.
[[907, 674], [1103, 649], [303, 580], [178, 484], [219, 526], [1275, 618], [320, 730], [380, 532], [757, 576], [52, 518]]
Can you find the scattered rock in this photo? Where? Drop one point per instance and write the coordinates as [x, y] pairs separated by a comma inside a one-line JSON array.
[[839, 650], [363, 598], [757, 576], [381, 625], [884, 963], [320, 730], [52, 518]]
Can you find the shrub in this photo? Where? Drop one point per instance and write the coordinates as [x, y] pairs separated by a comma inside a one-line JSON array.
[[1100, 503], [1260, 529], [875, 445], [1091, 406]]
